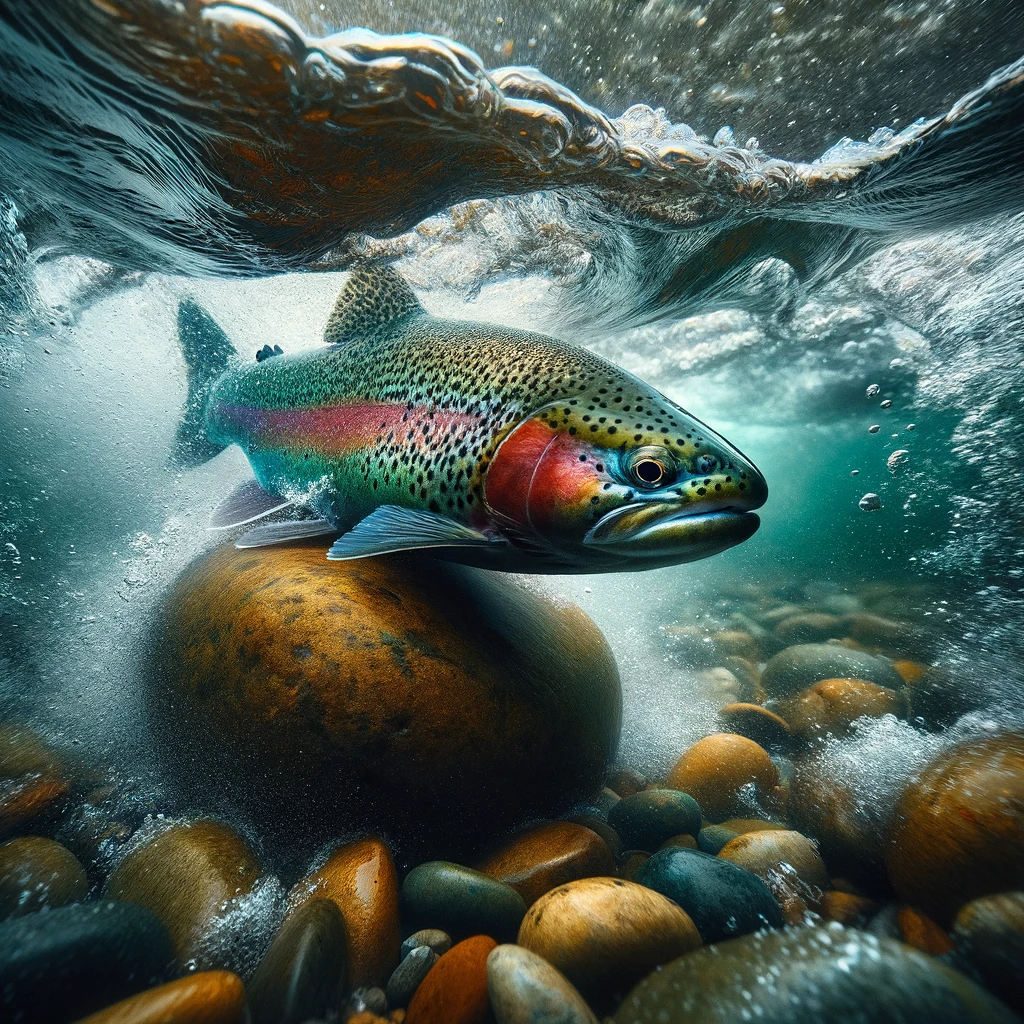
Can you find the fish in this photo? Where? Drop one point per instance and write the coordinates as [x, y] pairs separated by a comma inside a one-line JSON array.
[[501, 448]]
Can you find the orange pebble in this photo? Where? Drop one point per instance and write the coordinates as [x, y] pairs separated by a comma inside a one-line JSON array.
[[921, 932], [716, 770], [910, 671], [455, 990], [209, 997]]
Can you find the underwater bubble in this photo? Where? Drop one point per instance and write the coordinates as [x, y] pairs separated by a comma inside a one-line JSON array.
[[854, 472], [870, 502], [874, 428], [886, 404], [898, 460], [911, 426], [872, 390]]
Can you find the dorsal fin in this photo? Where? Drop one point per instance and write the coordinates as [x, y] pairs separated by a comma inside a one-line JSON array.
[[375, 295]]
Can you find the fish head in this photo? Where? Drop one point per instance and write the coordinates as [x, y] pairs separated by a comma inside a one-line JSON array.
[[621, 479]]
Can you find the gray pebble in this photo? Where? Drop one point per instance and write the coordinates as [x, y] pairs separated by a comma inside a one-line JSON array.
[[369, 999], [440, 942], [408, 975]]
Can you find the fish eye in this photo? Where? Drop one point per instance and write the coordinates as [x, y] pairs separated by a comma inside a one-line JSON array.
[[651, 466]]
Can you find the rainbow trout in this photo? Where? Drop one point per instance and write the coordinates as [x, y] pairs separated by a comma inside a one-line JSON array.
[[490, 446]]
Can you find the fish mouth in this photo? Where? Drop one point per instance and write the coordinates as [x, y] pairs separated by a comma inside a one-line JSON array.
[[663, 531]]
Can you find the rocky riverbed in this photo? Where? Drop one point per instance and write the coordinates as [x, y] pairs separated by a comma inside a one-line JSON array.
[[398, 799]]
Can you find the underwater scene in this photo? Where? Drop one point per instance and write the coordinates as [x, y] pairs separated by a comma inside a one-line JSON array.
[[511, 514]]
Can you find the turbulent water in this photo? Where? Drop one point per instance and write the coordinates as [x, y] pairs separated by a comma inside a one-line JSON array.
[[152, 150]]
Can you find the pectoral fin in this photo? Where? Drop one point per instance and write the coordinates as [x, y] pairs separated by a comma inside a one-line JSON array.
[[392, 528], [245, 504], [282, 533]]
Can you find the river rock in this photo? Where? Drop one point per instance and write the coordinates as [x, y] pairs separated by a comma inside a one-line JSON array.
[[989, 937], [59, 965], [626, 782], [525, 989], [810, 628], [33, 782], [797, 668], [940, 697], [37, 873], [724, 773], [408, 974], [957, 830], [684, 840], [921, 932], [611, 838], [361, 880], [548, 856], [757, 723], [645, 820], [722, 899], [831, 706], [302, 973], [850, 832], [888, 634], [808, 975], [631, 862], [439, 702], [207, 997], [455, 990], [712, 838], [186, 876], [910, 671], [461, 901], [848, 908], [788, 863], [741, 826], [604, 934], [440, 942]]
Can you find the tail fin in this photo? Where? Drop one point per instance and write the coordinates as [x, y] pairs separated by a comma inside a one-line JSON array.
[[207, 353]]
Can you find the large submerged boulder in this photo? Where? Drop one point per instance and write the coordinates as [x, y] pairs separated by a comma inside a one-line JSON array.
[[427, 699]]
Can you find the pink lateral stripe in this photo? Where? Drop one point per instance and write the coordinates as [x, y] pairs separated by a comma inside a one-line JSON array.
[[339, 429]]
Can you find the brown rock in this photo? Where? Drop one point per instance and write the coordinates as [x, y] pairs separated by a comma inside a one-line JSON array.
[[910, 671], [37, 873], [741, 826], [604, 934], [831, 706], [209, 997], [846, 908], [682, 841], [360, 879], [302, 973], [877, 632], [989, 936], [716, 769], [758, 724], [788, 863], [749, 676], [809, 628], [632, 861], [186, 876], [736, 643], [626, 783], [548, 856], [957, 830], [30, 804], [921, 932], [601, 828], [455, 990], [372, 693], [850, 833]]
